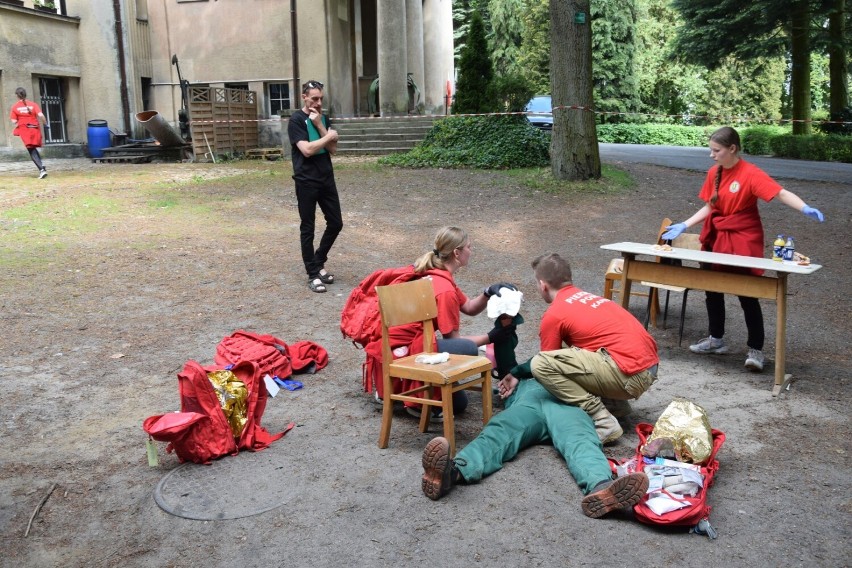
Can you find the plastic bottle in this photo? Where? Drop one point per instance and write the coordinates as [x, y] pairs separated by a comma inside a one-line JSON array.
[[789, 248], [778, 247]]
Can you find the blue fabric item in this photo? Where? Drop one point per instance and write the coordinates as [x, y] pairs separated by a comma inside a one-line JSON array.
[[288, 384]]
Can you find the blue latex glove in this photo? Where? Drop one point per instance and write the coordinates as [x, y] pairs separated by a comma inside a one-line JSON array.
[[674, 231], [813, 213]]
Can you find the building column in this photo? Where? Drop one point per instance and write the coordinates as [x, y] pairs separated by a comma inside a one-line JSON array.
[[414, 43], [437, 53], [393, 87]]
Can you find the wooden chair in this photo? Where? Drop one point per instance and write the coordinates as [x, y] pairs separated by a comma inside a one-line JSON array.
[[414, 301], [613, 276], [686, 241]]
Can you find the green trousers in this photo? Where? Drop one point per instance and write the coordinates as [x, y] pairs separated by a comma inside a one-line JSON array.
[[533, 416]]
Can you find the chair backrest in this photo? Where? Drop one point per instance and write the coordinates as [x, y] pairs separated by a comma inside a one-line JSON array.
[[410, 302], [666, 222], [687, 241]]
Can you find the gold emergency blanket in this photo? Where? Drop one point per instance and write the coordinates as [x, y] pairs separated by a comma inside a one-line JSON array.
[[232, 395], [683, 428]]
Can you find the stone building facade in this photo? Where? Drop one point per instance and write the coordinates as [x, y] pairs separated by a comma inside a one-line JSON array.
[[107, 60]]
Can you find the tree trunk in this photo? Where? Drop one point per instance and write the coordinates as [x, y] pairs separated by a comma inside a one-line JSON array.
[[837, 77], [800, 79], [574, 151]]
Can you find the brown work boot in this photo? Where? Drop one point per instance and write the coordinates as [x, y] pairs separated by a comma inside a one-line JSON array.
[[619, 494], [607, 427], [440, 473]]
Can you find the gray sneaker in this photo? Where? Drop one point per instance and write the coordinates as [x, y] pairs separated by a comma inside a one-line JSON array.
[[754, 361], [709, 344], [42, 173]]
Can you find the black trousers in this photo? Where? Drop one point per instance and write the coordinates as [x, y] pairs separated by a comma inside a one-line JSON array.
[[35, 157], [753, 317], [309, 196]]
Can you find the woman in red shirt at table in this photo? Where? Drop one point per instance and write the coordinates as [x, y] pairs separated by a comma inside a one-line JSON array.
[[28, 118], [732, 225]]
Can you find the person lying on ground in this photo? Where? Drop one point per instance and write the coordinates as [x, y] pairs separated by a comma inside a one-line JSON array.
[[534, 416]]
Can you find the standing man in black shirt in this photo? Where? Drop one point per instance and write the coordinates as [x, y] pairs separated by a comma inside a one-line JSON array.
[[313, 142]]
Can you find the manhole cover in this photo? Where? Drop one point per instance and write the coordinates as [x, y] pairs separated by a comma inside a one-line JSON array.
[[232, 487]]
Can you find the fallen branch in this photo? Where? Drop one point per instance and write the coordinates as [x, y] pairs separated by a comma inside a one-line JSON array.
[[38, 508]]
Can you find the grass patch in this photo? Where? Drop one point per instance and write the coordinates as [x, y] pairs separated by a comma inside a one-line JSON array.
[[612, 181]]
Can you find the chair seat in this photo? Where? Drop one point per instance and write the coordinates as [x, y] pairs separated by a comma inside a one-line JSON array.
[[663, 286], [442, 373]]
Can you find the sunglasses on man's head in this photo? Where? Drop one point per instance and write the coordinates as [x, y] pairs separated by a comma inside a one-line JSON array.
[[311, 85]]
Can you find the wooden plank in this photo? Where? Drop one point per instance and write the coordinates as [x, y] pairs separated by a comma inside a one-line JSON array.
[[698, 279]]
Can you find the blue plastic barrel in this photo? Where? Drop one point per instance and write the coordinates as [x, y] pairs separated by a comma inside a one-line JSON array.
[[98, 136]]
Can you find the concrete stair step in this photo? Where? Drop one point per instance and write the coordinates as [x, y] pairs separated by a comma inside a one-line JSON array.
[[381, 135], [343, 145]]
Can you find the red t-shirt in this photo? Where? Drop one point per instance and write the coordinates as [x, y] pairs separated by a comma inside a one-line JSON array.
[[580, 319], [28, 127], [739, 188]]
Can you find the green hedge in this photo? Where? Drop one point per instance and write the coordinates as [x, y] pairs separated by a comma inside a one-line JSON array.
[[820, 147], [487, 142], [511, 142], [655, 134], [776, 141]]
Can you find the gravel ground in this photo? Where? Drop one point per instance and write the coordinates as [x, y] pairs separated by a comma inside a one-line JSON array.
[[142, 267]]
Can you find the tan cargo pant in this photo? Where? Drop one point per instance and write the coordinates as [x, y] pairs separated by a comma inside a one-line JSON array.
[[580, 377]]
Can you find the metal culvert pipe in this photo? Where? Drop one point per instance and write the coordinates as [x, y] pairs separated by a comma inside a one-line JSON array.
[[159, 128]]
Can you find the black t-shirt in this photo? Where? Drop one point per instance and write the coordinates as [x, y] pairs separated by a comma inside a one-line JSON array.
[[317, 168]]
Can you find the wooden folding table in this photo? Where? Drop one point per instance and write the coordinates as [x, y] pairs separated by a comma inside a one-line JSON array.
[[767, 287]]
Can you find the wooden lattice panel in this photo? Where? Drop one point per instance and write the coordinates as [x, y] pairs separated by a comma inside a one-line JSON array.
[[224, 119]]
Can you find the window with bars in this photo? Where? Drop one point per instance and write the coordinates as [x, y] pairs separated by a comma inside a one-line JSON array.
[[53, 106], [278, 97]]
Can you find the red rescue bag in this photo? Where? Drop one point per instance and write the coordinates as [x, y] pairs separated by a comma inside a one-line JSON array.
[[269, 353], [698, 509], [360, 320], [200, 432]]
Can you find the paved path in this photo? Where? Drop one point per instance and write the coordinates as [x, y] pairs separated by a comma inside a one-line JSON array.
[[52, 164], [698, 159]]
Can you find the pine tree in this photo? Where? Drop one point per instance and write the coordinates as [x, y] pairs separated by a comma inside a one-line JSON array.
[[715, 29], [473, 87]]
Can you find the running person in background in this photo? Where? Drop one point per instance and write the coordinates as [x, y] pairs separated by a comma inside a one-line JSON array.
[[313, 142], [732, 225], [28, 118]]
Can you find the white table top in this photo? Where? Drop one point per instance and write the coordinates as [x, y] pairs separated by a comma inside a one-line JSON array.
[[714, 258]]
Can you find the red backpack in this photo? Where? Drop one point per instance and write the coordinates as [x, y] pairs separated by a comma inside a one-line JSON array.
[[269, 353], [200, 433], [360, 320], [698, 509]]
